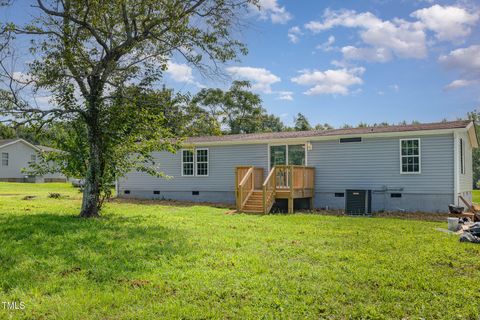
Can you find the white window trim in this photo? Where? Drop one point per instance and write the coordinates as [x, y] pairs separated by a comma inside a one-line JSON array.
[[286, 144], [194, 151], [7, 158], [181, 167], [419, 155], [207, 162]]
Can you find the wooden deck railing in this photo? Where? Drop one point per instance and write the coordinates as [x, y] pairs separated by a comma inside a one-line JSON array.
[[282, 182], [245, 188], [295, 177], [269, 188]]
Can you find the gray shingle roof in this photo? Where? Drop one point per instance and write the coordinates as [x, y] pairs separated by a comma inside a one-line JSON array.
[[6, 141], [334, 132]]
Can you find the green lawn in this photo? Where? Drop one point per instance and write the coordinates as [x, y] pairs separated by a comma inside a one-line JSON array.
[[476, 196], [144, 261]]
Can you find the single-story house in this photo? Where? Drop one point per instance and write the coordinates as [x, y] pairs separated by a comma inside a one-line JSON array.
[[418, 167], [18, 154]]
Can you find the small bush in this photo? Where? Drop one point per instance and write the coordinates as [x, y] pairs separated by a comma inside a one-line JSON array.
[[54, 195]]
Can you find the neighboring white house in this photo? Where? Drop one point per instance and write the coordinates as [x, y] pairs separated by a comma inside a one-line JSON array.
[[17, 154]]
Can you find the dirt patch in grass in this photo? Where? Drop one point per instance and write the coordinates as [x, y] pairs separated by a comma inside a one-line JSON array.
[[135, 283], [172, 203], [423, 216]]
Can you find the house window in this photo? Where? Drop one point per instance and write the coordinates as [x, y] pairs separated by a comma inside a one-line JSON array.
[[195, 162], [339, 194], [4, 159], [33, 158], [187, 163], [395, 195], [292, 154], [202, 162], [462, 156], [410, 156]]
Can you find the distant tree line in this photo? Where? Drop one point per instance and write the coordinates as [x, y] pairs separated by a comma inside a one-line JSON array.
[[209, 112]]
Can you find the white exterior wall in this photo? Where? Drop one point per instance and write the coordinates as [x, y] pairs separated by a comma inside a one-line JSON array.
[[464, 184], [19, 157]]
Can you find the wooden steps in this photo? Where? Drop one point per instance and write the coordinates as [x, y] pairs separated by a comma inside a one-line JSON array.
[[254, 202]]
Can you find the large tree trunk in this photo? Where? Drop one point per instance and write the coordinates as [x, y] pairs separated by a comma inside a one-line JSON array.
[[91, 202], [92, 187]]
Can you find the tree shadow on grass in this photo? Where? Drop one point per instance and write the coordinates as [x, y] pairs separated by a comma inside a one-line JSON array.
[[48, 247]]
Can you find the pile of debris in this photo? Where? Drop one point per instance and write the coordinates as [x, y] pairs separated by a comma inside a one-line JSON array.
[[471, 234], [468, 230], [465, 223]]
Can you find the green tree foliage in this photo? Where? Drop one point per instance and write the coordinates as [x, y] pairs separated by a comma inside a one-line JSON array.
[[237, 110], [301, 123], [86, 54], [322, 127], [7, 132]]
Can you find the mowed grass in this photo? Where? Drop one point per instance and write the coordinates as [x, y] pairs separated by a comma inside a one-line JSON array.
[[476, 196], [144, 261]]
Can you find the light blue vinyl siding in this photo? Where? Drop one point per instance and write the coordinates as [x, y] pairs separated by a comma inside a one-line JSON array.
[[222, 163], [374, 164]]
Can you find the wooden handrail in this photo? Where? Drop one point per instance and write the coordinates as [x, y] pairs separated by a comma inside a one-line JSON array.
[[244, 190], [245, 178], [270, 174], [294, 166], [269, 188]]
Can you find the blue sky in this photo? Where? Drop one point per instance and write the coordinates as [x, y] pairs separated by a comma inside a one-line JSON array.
[[410, 83], [352, 61]]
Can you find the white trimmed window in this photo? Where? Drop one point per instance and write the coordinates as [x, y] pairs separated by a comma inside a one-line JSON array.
[[4, 159], [195, 162], [187, 163], [410, 156], [202, 162], [462, 156]]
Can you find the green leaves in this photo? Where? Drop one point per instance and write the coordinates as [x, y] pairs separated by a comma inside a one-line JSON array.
[[100, 60], [238, 109]]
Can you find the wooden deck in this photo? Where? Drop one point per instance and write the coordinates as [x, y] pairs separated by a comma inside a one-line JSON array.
[[255, 194]]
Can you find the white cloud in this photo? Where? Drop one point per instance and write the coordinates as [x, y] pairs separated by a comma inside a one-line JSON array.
[[395, 87], [21, 77], [467, 62], [449, 23], [459, 83], [294, 34], [367, 54], [180, 72], [285, 95], [345, 18], [329, 81], [270, 9], [466, 59], [385, 38], [262, 78], [327, 45]]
